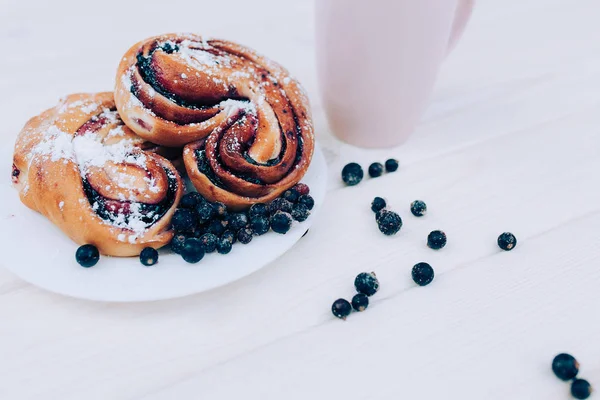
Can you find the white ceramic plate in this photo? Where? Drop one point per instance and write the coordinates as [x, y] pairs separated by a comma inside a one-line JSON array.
[[39, 253]]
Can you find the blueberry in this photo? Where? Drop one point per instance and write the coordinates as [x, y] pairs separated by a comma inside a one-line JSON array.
[[307, 200], [418, 208], [87, 255], [149, 256], [193, 250], [205, 212], [391, 165], [436, 240], [245, 235], [352, 174], [191, 200], [220, 210], [291, 195], [183, 220], [366, 283], [360, 302], [281, 222], [341, 308], [258, 209], [302, 189], [280, 204], [565, 366], [229, 235], [378, 204], [216, 226], [375, 170], [259, 225], [224, 246], [300, 212], [198, 231], [422, 274], [177, 242], [209, 242], [581, 389], [237, 221], [507, 241], [389, 222]]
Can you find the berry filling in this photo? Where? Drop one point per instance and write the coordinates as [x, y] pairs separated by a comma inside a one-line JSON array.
[[15, 174], [126, 213]]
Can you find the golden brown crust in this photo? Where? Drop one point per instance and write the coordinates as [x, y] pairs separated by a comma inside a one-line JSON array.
[[56, 174], [245, 122]]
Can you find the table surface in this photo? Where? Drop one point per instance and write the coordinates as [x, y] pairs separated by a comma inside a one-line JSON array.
[[510, 142]]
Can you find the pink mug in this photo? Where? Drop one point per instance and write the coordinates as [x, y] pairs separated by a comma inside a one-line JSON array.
[[378, 60]]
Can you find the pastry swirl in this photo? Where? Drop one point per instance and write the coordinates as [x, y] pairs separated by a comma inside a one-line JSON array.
[[82, 168], [245, 122]]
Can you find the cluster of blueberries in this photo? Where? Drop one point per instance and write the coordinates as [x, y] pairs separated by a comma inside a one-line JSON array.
[[203, 227], [566, 367], [366, 284]]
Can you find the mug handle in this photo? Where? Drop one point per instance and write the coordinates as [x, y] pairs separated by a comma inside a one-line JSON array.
[[462, 14]]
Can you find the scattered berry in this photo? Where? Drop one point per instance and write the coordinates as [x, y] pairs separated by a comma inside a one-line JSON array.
[[205, 212], [224, 246], [177, 242], [391, 165], [258, 209], [220, 210], [183, 220], [245, 235], [87, 255], [389, 222], [259, 225], [209, 242], [352, 174], [375, 170], [237, 221], [378, 204], [341, 308], [281, 222], [300, 212], [191, 200], [360, 302], [366, 283], [565, 366], [422, 274], [149, 256], [507, 241], [436, 240], [229, 235], [280, 204], [291, 195], [307, 200], [302, 189], [418, 208], [193, 250], [581, 389]]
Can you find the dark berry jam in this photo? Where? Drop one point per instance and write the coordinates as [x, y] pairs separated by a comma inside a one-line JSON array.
[[15, 174]]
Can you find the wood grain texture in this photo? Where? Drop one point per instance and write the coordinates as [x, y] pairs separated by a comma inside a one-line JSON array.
[[510, 142]]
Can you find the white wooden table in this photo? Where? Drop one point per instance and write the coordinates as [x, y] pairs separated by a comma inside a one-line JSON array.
[[511, 142]]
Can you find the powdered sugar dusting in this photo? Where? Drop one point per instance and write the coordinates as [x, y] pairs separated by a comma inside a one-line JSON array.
[[88, 150]]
